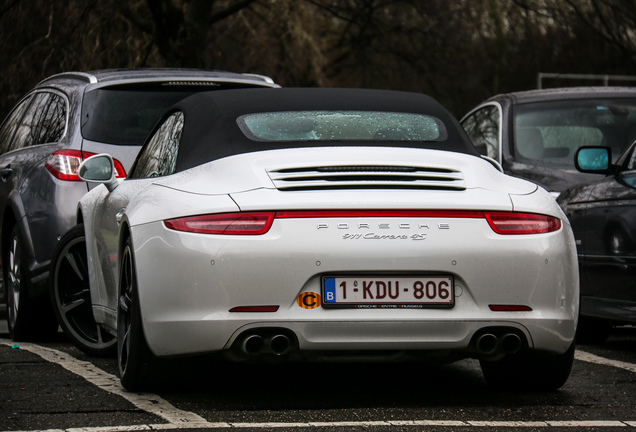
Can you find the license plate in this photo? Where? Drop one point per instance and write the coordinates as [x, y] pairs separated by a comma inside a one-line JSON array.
[[390, 292]]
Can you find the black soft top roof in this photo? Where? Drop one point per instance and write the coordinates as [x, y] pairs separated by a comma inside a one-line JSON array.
[[211, 130]]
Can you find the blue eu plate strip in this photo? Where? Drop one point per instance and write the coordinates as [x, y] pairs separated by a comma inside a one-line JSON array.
[[329, 293]]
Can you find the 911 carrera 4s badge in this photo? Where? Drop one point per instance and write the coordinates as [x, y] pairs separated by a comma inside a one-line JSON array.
[[308, 300]]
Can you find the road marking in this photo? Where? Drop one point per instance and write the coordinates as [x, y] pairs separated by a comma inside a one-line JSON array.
[[360, 424], [145, 401], [591, 358], [179, 419]]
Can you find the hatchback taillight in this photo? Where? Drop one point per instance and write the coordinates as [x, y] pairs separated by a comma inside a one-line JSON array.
[[512, 223], [248, 223], [63, 164]]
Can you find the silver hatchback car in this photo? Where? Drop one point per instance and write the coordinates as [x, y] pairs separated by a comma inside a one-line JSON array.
[[63, 120]]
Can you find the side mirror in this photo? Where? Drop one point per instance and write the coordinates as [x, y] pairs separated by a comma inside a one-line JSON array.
[[99, 169], [595, 160]]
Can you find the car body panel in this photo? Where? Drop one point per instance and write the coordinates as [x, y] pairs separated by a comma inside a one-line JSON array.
[[217, 281]]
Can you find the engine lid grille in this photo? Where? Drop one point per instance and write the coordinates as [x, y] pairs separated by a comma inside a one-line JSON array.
[[367, 177]]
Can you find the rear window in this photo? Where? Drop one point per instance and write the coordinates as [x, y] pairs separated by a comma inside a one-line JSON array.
[[341, 126], [126, 114]]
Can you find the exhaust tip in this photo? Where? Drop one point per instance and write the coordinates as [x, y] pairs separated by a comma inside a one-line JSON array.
[[487, 343], [253, 345], [279, 344], [510, 343]]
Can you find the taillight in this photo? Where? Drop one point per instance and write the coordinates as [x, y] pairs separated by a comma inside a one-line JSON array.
[[255, 223], [248, 223], [521, 223], [63, 164]]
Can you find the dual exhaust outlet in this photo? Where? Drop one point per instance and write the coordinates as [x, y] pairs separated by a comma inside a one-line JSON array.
[[277, 344], [490, 344]]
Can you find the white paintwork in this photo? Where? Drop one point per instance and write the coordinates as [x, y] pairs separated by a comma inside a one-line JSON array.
[[189, 282]]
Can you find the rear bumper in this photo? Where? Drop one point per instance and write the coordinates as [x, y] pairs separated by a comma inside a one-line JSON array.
[[314, 338], [188, 284]]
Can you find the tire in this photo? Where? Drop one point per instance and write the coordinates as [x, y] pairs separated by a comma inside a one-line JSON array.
[[137, 364], [28, 319], [71, 297], [593, 331], [530, 370]]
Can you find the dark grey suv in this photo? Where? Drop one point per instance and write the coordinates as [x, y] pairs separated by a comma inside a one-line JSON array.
[[63, 120]]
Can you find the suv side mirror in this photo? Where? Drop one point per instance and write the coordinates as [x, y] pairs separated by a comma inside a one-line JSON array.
[[595, 160], [99, 169]]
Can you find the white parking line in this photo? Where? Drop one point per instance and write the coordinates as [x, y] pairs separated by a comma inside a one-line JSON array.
[[145, 401], [591, 358], [179, 419]]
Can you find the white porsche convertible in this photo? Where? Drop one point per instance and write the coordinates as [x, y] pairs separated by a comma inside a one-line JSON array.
[[318, 224]]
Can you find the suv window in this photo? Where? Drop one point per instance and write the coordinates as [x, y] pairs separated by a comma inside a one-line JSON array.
[[126, 115], [44, 121], [53, 125], [11, 124]]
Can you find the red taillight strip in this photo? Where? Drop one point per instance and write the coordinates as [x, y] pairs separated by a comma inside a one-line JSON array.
[[255, 223], [293, 214]]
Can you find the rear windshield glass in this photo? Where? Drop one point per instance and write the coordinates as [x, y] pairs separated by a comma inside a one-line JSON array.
[[341, 126], [126, 115], [549, 133]]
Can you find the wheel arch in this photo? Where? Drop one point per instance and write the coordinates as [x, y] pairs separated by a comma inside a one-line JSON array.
[[8, 221], [124, 234]]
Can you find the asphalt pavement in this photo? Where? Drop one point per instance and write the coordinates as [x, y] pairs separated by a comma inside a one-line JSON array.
[[53, 387]]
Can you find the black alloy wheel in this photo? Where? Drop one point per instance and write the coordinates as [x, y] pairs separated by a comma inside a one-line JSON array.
[[137, 364], [71, 297], [27, 319]]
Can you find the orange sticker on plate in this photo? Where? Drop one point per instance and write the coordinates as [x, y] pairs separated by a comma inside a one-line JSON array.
[[308, 300]]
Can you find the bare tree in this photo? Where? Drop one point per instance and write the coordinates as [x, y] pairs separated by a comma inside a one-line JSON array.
[[182, 29], [459, 52], [613, 20]]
